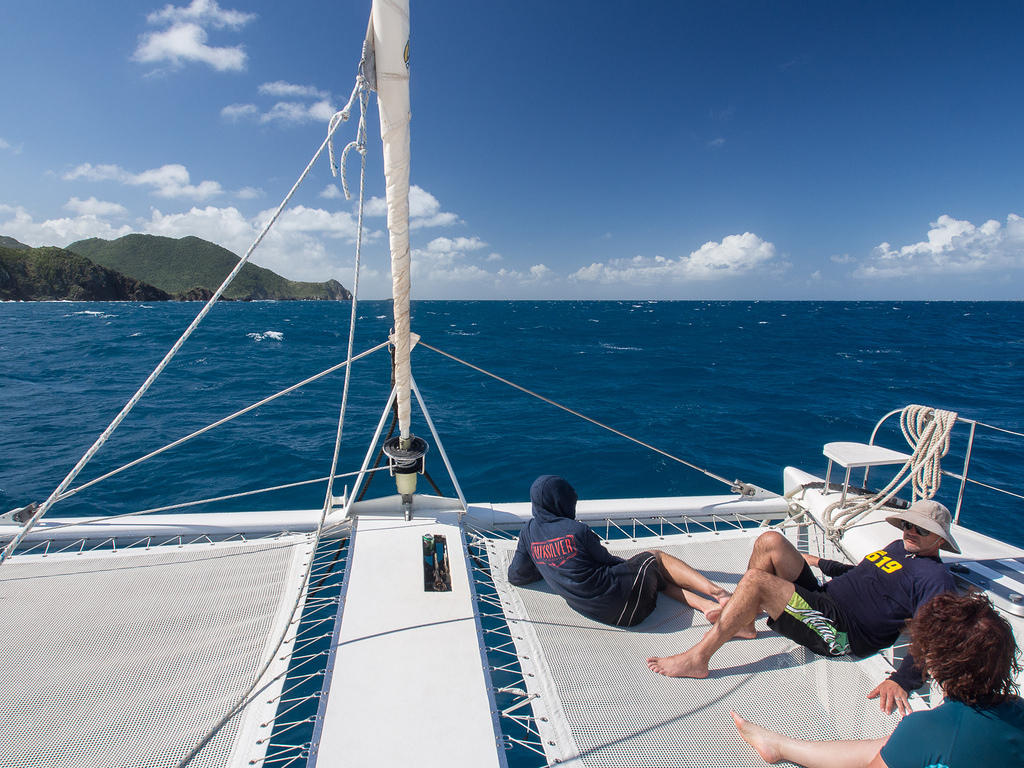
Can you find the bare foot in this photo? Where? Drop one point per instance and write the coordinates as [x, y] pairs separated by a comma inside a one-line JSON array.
[[761, 739], [748, 632], [680, 665]]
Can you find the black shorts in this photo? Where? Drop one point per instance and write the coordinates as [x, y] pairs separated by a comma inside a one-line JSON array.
[[814, 620], [641, 582]]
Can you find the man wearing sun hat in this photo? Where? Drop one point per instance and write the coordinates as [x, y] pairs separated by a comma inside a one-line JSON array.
[[860, 610]]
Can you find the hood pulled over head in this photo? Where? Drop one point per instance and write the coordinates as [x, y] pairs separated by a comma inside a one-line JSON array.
[[552, 497]]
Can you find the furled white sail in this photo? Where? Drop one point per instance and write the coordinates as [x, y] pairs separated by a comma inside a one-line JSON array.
[[390, 30]]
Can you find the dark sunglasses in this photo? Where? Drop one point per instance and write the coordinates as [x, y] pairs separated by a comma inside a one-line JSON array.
[[904, 525]]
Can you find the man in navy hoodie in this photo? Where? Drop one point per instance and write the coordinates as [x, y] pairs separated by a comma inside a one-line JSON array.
[[569, 556]]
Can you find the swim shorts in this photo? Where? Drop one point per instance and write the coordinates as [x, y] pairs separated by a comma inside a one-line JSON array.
[[642, 581], [814, 620]]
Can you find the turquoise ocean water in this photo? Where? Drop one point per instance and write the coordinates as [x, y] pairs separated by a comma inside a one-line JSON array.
[[741, 388]]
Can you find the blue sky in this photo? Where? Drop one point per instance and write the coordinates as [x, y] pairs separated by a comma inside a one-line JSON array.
[[663, 150]]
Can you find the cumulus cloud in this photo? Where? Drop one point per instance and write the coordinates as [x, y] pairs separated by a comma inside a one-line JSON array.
[[249, 193], [296, 113], [332, 192], [18, 223], [236, 112], [95, 207], [458, 244], [735, 256], [170, 180], [299, 218], [300, 104], [424, 209], [185, 37], [206, 12], [280, 89], [8, 146], [953, 247]]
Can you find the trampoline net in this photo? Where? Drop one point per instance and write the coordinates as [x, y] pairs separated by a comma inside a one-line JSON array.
[[129, 658], [597, 703]]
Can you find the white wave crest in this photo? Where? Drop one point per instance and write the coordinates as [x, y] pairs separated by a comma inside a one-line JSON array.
[[271, 335]]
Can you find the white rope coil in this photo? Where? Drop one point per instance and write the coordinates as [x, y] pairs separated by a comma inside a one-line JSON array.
[[927, 431]]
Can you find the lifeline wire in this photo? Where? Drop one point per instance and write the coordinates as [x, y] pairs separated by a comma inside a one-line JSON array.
[[51, 500]]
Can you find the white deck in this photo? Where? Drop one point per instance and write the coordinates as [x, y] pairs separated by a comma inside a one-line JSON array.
[[407, 685]]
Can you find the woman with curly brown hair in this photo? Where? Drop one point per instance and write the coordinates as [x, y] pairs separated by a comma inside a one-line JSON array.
[[968, 649]]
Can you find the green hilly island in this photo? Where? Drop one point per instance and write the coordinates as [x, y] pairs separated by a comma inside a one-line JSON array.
[[190, 266], [41, 274]]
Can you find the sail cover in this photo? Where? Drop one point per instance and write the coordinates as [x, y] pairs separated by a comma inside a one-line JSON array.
[[389, 33]]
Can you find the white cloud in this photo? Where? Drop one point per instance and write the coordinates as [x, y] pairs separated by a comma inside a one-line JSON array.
[[716, 143], [843, 258], [953, 247], [184, 43], [95, 207], [281, 89], [236, 112], [185, 37], [170, 180], [332, 192], [300, 104], [7, 145], [448, 245], [296, 113], [206, 12], [735, 256], [299, 218], [249, 193], [424, 209], [18, 223]]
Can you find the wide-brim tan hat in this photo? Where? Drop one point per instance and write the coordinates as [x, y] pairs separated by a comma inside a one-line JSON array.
[[930, 516]]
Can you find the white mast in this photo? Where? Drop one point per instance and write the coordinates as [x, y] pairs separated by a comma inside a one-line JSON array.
[[389, 35], [390, 30]]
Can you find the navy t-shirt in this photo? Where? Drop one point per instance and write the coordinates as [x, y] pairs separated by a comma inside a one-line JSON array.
[[955, 735], [878, 596]]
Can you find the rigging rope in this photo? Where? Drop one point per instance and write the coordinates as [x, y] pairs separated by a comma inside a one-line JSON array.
[[927, 431], [360, 145]]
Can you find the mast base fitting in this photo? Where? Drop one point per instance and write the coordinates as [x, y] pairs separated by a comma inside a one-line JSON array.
[[405, 463]]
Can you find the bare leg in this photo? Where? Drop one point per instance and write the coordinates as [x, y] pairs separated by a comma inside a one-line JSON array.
[[711, 609], [775, 554], [757, 591], [682, 575], [685, 580], [774, 748]]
